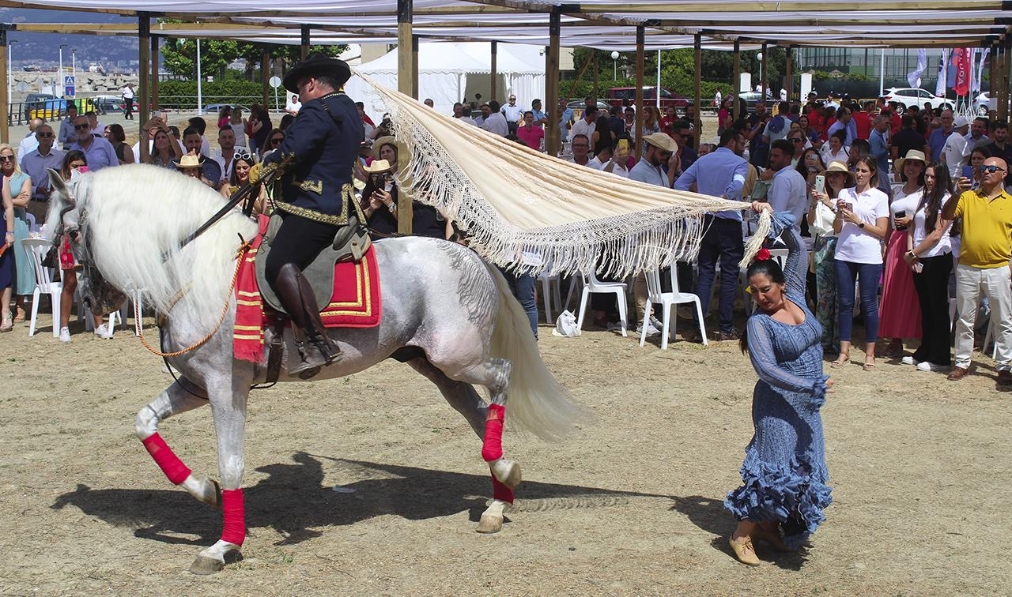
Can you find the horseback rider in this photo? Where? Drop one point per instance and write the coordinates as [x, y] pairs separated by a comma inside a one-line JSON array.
[[321, 146]]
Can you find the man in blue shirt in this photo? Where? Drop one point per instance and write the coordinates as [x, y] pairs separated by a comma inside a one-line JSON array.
[[720, 174], [98, 152], [879, 142], [937, 138], [844, 121]]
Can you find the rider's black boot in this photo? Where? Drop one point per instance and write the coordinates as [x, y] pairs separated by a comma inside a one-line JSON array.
[[317, 349]]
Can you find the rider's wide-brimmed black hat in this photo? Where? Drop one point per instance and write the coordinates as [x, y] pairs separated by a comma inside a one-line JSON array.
[[317, 65]]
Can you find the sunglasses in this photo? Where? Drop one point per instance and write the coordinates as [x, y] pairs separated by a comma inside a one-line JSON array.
[[43, 135], [277, 140], [984, 168], [242, 155], [81, 127], [6, 158]]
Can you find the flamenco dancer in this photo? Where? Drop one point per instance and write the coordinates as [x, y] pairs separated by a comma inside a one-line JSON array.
[[784, 475]]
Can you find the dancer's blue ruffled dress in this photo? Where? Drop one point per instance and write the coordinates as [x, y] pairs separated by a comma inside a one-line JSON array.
[[785, 472]]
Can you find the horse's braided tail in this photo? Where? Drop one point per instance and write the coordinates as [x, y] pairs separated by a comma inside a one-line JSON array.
[[537, 401]]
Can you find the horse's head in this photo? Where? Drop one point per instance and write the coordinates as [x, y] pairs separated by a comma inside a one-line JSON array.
[[68, 218]]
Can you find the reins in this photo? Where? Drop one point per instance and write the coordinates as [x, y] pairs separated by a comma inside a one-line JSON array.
[[240, 254]]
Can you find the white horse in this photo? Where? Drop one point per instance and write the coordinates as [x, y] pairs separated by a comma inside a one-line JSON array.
[[446, 313]]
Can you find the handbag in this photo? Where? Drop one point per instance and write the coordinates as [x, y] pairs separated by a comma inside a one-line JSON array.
[[822, 223]]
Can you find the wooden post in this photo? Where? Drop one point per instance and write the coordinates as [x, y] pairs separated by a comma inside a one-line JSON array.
[[304, 47], [265, 76], [736, 83], [493, 94], [1003, 76], [993, 76], [697, 124], [414, 66], [405, 84], [553, 143], [764, 74], [154, 71], [143, 87], [641, 39], [5, 131], [790, 74], [404, 70]]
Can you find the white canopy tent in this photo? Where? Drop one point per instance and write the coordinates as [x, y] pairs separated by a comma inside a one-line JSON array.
[[451, 72]]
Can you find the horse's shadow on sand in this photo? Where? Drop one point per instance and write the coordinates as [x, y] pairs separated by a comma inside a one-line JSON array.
[[294, 501]]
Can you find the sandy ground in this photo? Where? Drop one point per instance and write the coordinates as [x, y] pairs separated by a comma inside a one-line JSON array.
[[628, 505]]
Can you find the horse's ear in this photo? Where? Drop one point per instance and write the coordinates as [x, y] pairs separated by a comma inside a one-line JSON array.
[[56, 183]]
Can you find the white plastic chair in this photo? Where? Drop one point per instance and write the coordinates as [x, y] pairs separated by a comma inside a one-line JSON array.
[[668, 300], [591, 285], [551, 293], [37, 249], [31, 222]]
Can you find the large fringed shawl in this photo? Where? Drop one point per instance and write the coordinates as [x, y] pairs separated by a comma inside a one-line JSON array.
[[512, 200]]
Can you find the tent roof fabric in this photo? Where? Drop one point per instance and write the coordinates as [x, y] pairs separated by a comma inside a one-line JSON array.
[[603, 24]]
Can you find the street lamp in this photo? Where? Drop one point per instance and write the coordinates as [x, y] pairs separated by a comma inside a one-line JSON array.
[[614, 57], [10, 65], [60, 81], [73, 56], [762, 92]]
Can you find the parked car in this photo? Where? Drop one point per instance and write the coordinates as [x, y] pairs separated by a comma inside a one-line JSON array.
[[108, 103], [577, 106], [751, 98], [909, 96], [983, 103], [214, 109], [616, 95], [41, 105]]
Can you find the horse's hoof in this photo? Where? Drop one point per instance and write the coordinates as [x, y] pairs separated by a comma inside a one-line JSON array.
[[204, 565], [490, 523], [507, 472]]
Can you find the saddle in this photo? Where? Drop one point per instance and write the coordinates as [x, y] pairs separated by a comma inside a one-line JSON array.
[[350, 244]]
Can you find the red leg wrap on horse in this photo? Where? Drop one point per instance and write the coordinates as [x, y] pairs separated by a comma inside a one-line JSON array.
[[234, 508], [171, 465], [492, 448], [501, 492]]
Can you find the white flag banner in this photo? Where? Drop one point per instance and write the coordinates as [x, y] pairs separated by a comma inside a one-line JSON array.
[[979, 72], [974, 83], [943, 67], [914, 76]]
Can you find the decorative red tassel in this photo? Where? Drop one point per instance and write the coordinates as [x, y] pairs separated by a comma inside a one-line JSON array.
[[492, 448], [234, 508], [166, 459]]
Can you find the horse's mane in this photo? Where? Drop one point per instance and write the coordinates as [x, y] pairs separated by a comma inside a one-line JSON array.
[[135, 215]]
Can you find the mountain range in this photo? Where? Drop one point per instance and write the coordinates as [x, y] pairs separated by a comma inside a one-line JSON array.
[[41, 50]]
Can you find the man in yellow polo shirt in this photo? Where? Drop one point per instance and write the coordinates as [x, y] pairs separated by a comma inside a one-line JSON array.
[[984, 266]]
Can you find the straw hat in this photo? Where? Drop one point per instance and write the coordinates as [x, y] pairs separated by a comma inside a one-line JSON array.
[[377, 166], [840, 167], [380, 142], [661, 141], [913, 154], [188, 161]]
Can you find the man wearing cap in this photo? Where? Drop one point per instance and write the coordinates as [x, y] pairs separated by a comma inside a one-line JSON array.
[[317, 194], [956, 149], [983, 266], [720, 174]]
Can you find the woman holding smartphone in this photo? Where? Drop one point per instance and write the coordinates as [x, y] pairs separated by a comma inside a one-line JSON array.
[[899, 312], [862, 222], [929, 256], [837, 178]]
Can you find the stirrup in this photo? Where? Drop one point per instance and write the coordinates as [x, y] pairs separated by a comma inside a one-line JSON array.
[[315, 355]]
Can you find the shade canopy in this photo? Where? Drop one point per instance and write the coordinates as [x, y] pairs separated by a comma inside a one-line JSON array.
[[599, 24]]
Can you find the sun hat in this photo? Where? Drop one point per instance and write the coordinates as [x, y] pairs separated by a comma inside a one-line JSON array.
[[661, 141], [837, 166], [960, 121], [913, 154], [187, 161], [317, 65], [378, 144], [377, 166]]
